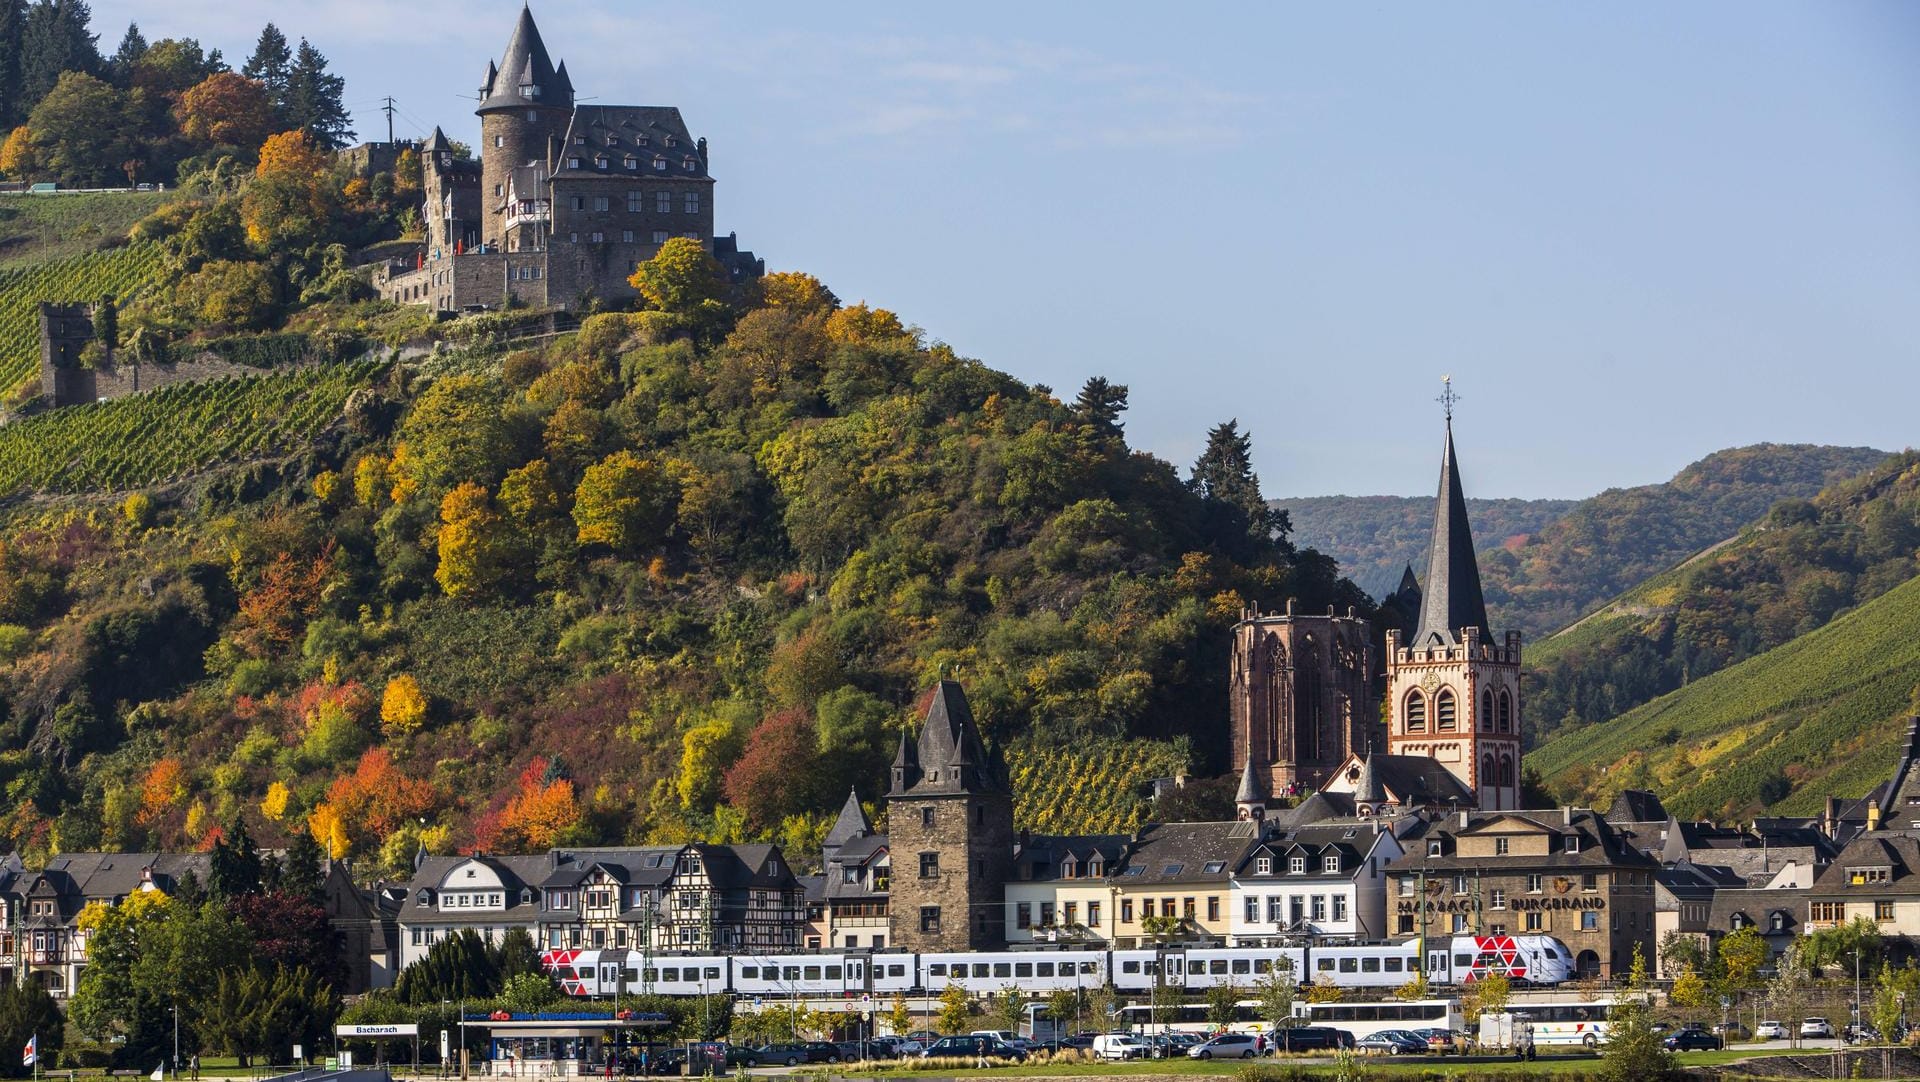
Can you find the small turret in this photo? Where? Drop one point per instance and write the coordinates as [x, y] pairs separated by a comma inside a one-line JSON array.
[[1250, 803]]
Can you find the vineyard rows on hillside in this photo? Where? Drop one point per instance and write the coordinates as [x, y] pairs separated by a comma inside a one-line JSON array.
[[150, 438], [120, 272], [1101, 789]]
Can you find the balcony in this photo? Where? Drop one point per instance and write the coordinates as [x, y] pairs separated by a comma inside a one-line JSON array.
[[528, 211]]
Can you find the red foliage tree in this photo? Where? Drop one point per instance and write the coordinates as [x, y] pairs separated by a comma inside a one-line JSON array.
[[377, 797], [779, 773], [289, 930]]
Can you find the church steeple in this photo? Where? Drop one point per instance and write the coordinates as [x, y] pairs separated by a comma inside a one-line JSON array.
[[1450, 597]]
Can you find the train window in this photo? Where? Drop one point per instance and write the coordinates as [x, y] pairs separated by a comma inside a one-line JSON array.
[[671, 973], [1003, 969], [833, 973], [937, 969], [1463, 961], [1130, 967], [713, 973], [749, 973], [813, 973], [1045, 969], [1089, 967], [633, 975], [1393, 964], [1218, 965], [790, 973], [979, 969], [1349, 965], [1023, 969], [1323, 965], [1239, 966], [1369, 965], [896, 971], [1261, 965]]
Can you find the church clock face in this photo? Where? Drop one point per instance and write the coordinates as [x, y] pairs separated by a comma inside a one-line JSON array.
[[1430, 683]]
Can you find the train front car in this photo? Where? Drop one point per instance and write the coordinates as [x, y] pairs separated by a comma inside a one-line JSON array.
[[1531, 959], [576, 971]]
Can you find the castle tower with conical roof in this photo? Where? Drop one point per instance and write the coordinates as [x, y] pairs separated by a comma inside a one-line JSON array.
[[950, 832], [1453, 687], [525, 107]]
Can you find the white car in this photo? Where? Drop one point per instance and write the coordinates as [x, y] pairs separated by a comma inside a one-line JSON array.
[[1770, 1031], [1815, 1027], [1227, 1046]]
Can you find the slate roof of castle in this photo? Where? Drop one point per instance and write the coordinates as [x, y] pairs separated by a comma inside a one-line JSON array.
[[644, 131], [1450, 597], [949, 755], [525, 62]]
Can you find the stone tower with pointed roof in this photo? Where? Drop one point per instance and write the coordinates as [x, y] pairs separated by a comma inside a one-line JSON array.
[[525, 106], [1300, 697], [950, 831], [1452, 685]]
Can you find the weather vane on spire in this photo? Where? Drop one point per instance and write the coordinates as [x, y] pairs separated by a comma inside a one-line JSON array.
[[1447, 396]]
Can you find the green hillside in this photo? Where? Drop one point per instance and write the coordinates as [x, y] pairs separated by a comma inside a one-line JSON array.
[[43, 228], [1804, 563], [124, 272], [1375, 537], [1821, 715], [1610, 543]]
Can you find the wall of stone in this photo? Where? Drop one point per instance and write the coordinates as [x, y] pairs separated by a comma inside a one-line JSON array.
[[975, 862]]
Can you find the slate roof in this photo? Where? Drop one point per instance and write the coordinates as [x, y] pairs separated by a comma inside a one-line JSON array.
[[1038, 858], [1411, 781], [1601, 846], [851, 824], [525, 61], [1758, 908], [1637, 806], [1450, 597], [1351, 842], [74, 879], [1253, 788], [949, 756], [644, 131], [1900, 800], [516, 873], [1898, 851], [1183, 852]]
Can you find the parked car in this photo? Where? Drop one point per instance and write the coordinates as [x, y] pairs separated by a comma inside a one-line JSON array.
[[1445, 1041], [1733, 1031], [1120, 1046], [1079, 1042], [1693, 1039], [1392, 1042], [1310, 1039], [793, 1055], [973, 1047], [1226, 1046], [1768, 1030], [1815, 1027]]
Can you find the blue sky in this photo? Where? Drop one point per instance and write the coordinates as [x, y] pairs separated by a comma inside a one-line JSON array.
[[1633, 234]]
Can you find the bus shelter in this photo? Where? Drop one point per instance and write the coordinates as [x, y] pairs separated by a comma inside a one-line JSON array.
[[561, 1046]]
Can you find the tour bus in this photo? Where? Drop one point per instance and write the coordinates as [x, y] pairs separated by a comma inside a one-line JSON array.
[[1366, 1019], [1565, 1022]]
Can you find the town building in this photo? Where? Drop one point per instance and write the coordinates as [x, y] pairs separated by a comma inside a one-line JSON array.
[[1176, 883], [566, 201], [950, 821], [855, 888], [1565, 873], [47, 944], [1453, 686], [1060, 894], [1325, 880], [1876, 877]]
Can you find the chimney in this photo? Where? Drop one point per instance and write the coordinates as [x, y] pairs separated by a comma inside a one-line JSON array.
[[1463, 819], [1566, 814], [1873, 815]]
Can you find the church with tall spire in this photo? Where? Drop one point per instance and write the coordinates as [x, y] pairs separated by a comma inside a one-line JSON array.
[[1453, 686]]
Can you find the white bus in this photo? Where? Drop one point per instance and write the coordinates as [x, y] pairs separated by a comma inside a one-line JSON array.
[[1365, 1019], [1565, 1022]]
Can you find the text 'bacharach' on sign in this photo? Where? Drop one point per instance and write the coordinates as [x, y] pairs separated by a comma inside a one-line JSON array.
[[394, 1029]]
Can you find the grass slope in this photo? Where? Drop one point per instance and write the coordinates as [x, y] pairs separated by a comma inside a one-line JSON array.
[[1821, 713], [41, 228]]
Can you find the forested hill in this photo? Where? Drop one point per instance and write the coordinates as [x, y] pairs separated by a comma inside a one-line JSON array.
[[683, 574], [1609, 543], [1375, 538], [1802, 565]]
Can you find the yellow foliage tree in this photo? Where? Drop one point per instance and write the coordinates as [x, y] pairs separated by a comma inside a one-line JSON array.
[[274, 804], [679, 277], [371, 484], [403, 707], [705, 751], [625, 503], [472, 542], [16, 154], [861, 325], [793, 289], [330, 830]]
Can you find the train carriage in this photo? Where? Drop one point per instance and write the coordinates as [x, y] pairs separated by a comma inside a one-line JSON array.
[[826, 974], [981, 972]]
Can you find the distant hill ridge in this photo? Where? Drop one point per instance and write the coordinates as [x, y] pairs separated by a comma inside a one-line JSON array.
[[1375, 538]]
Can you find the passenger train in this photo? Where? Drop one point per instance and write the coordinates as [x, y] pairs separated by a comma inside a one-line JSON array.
[[1538, 960]]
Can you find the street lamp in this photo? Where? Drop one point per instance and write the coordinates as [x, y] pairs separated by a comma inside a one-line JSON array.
[[176, 1039]]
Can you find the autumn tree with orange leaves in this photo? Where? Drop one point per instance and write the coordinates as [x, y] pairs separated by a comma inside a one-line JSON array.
[[539, 814], [225, 109]]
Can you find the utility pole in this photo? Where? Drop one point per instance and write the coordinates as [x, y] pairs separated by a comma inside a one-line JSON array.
[[388, 109]]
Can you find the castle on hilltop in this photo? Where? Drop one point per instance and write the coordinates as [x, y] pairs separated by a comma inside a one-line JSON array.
[[566, 201]]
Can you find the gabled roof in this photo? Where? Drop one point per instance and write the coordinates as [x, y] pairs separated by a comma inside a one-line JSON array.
[[1411, 781], [1039, 858], [1637, 806], [1895, 850], [1902, 796], [852, 823], [949, 756], [1450, 597], [1182, 853], [1600, 846]]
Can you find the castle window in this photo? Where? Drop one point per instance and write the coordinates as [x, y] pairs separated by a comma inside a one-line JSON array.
[[635, 203], [600, 203], [632, 162], [659, 164], [1506, 711], [663, 202], [499, 141], [573, 238], [626, 236], [599, 238], [930, 919], [926, 816], [659, 236], [1486, 711], [1416, 712], [532, 116], [578, 202], [693, 202], [1444, 711]]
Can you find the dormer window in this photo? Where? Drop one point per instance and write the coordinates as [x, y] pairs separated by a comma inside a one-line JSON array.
[[1330, 864], [530, 91], [613, 140], [1094, 867], [579, 140], [659, 165], [1296, 865], [599, 161], [693, 165], [573, 163], [1433, 847], [640, 141], [672, 141], [1571, 843], [1263, 866], [632, 162], [526, 896], [424, 897]]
